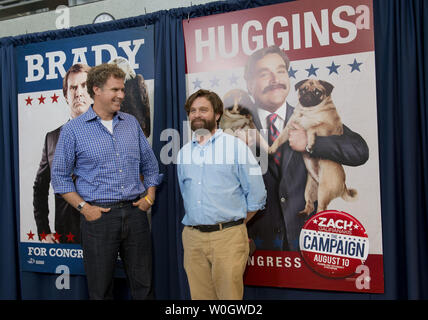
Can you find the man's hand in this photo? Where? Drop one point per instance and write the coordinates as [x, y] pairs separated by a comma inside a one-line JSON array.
[[142, 204], [250, 214], [245, 136], [50, 238], [93, 213], [297, 137]]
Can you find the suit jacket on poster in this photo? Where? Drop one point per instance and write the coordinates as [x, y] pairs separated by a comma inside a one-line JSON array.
[[67, 219], [278, 226]]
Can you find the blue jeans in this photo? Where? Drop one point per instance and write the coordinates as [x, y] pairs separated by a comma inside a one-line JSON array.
[[124, 230]]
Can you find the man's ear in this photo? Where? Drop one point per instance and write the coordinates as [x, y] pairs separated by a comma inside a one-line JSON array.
[[97, 90]]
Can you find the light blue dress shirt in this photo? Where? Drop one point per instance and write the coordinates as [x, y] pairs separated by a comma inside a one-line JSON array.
[[107, 166], [220, 181]]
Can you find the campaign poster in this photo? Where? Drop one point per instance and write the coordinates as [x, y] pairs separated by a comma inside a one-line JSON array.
[[302, 71], [51, 91]]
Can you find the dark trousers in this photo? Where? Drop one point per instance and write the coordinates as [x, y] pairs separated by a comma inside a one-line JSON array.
[[124, 230]]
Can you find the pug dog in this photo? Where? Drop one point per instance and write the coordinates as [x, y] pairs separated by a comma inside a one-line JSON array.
[[317, 114], [237, 119]]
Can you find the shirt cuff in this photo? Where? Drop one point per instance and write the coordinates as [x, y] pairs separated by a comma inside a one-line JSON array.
[[64, 188], [153, 181], [255, 207]]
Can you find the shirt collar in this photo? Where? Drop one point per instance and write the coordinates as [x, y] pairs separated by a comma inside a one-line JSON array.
[[91, 114], [281, 112], [216, 134]]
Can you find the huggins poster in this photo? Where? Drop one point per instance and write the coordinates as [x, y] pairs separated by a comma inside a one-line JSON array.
[[302, 71], [51, 91]]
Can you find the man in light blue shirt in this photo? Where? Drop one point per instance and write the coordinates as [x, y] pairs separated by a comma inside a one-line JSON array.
[[222, 188]]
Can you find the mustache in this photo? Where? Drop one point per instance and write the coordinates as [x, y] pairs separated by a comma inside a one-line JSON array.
[[274, 86], [199, 119]]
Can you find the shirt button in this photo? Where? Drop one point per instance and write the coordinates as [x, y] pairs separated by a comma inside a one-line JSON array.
[[282, 199], [121, 187], [199, 182], [120, 170], [117, 154], [199, 201]]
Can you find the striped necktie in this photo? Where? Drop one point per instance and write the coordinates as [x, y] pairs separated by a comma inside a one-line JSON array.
[[273, 134]]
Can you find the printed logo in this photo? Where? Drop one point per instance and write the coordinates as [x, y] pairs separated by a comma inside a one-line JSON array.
[[334, 244]]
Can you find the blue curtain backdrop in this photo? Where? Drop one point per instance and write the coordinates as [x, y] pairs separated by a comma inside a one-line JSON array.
[[9, 188], [169, 276], [401, 65], [401, 48]]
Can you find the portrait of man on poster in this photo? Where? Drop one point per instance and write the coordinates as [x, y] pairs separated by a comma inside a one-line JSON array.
[[278, 226], [67, 219], [136, 101]]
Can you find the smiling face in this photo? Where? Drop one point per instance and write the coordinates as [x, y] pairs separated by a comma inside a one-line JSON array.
[[108, 98], [270, 83], [202, 116]]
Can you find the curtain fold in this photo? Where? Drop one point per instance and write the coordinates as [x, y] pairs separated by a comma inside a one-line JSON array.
[[9, 189], [170, 89], [401, 36]]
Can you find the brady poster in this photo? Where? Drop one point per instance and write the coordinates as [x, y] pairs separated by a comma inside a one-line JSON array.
[[51, 91], [302, 76]]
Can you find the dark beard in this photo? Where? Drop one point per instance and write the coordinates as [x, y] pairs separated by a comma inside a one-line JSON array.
[[209, 125]]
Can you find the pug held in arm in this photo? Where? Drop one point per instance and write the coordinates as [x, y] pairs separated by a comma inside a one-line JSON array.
[[237, 119], [317, 114]]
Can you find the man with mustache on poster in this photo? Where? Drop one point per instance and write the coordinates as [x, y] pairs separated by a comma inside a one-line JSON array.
[[67, 219], [278, 226], [222, 188]]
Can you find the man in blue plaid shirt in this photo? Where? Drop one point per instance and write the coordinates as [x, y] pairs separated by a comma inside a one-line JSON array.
[[107, 153]]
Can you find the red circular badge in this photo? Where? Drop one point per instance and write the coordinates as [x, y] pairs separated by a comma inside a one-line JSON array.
[[334, 243]]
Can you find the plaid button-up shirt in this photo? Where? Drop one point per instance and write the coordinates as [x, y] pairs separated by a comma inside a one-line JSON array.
[[107, 166]]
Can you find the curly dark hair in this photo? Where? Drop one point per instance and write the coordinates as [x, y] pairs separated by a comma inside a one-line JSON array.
[[211, 96]]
